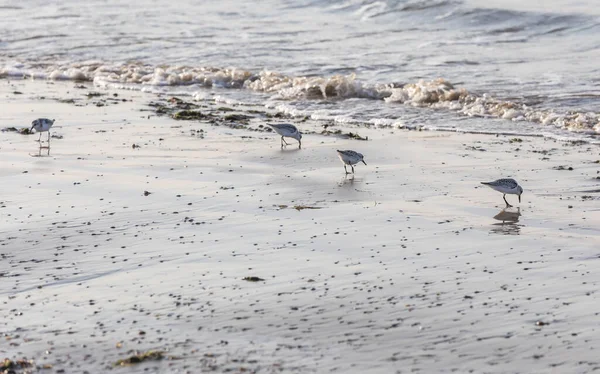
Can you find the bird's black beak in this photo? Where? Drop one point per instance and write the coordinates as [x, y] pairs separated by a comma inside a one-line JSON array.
[[519, 198], [363, 161]]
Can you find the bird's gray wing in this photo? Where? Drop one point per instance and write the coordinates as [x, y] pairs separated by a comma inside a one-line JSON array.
[[507, 182], [285, 126]]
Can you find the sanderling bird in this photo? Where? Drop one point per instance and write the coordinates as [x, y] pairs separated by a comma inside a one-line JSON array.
[[506, 186], [289, 131], [41, 125], [350, 158]]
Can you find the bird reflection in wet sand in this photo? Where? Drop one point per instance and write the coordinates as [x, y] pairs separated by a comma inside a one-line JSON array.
[[40, 152], [347, 180], [508, 226]]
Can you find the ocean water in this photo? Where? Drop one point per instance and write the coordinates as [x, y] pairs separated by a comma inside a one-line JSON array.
[[491, 66]]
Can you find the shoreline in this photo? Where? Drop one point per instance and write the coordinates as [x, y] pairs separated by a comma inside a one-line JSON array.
[[436, 95], [402, 267]]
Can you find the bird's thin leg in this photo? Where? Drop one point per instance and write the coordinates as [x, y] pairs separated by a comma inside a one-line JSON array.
[[346, 170], [507, 204], [40, 138], [352, 166], [48, 137], [283, 140]]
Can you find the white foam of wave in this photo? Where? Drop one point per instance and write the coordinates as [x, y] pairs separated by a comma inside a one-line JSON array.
[[338, 86], [441, 94], [202, 95], [326, 116], [287, 110], [283, 86], [344, 120], [221, 99], [385, 123], [133, 73]]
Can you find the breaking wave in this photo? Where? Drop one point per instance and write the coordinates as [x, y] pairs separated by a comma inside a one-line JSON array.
[[435, 94]]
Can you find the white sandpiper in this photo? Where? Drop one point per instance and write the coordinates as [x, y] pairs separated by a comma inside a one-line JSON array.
[[506, 186], [351, 158], [42, 125], [289, 131]]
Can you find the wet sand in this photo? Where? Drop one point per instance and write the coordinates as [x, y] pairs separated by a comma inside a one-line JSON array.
[[108, 249]]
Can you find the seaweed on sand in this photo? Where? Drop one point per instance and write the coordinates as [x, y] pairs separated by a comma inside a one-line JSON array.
[[253, 279], [189, 115], [11, 366]]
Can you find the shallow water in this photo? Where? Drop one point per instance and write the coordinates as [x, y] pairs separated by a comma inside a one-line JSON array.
[[498, 67]]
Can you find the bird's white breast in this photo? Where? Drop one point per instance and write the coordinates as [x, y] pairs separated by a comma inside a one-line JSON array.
[[348, 159]]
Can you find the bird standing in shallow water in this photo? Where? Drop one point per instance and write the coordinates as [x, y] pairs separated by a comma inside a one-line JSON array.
[[289, 131], [42, 125], [351, 158], [506, 186]]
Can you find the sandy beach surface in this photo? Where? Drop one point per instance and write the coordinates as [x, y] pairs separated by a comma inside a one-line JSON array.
[[108, 249]]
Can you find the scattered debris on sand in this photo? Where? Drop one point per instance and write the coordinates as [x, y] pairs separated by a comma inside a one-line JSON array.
[[298, 207], [139, 357], [563, 167], [302, 207], [344, 135], [22, 131], [91, 94]]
